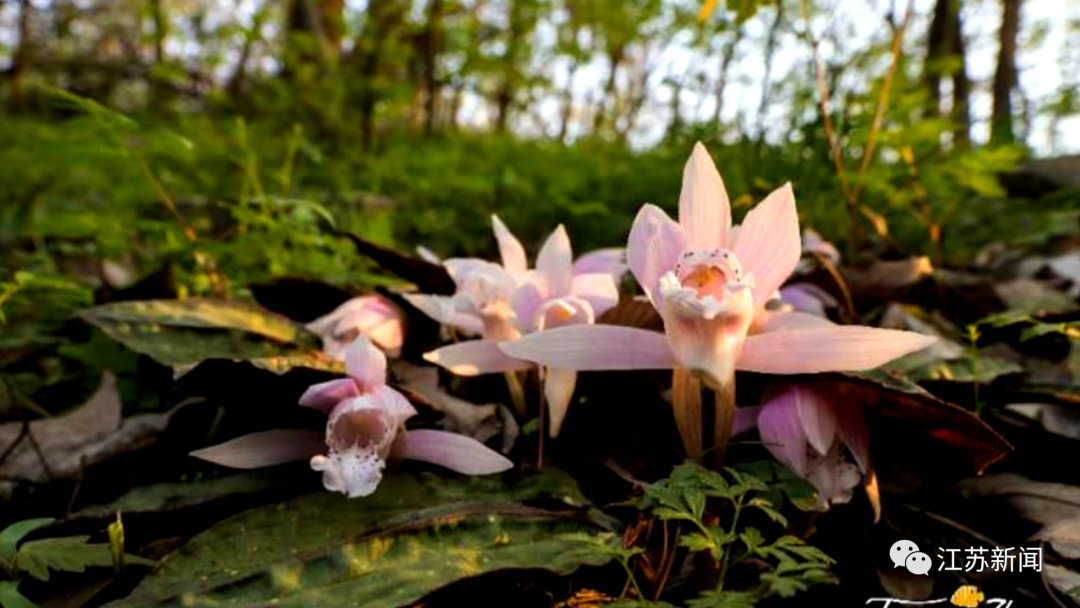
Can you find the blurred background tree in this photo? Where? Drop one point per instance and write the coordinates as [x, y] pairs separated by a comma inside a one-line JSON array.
[[410, 121]]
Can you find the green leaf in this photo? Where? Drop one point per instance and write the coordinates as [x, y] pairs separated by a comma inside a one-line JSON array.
[[697, 542], [69, 554], [766, 506], [11, 598], [752, 538], [11, 535], [724, 599], [414, 535], [185, 332]]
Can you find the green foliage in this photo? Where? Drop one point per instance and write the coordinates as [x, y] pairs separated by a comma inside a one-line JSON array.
[[69, 554], [684, 497], [185, 332], [38, 557], [416, 534], [11, 598], [10, 537]]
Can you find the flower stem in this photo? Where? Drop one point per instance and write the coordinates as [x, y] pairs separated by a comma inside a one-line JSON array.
[[724, 404], [517, 393], [686, 404], [633, 581], [724, 561]]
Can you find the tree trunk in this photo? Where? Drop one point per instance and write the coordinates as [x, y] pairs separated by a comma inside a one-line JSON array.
[[504, 98], [431, 49], [568, 101], [1001, 123], [961, 89], [384, 19], [722, 76], [936, 44], [766, 88], [615, 57], [22, 53], [235, 86]]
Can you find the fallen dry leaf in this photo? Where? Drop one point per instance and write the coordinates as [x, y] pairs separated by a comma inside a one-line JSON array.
[[67, 444]]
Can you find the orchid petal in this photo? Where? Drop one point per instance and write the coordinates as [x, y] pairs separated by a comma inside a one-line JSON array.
[[837, 348], [527, 300], [324, 396], [790, 321], [558, 391], [746, 419], [366, 364], [264, 449], [604, 261], [388, 335], [513, 254], [458, 453], [556, 261], [475, 357], [438, 308], [817, 417], [594, 347], [653, 248], [807, 297], [598, 289], [769, 245], [782, 433], [854, 432], [704, 210]]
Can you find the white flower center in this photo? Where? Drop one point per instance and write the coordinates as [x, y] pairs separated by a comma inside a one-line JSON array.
[[707, 283], [568, 310], [359, 435]]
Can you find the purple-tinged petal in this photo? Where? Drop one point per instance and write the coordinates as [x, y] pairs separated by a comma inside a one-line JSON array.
[[265, 449], [704, 210], [838, 348], [746, 419], [834, 478], [556, 261], [653, 249], [558, 391], [594, 347], [475, 357], [458, 453], [769, 321], [769, 245], [782, 432], [513, 254], [366, 364], [324, 396], [808, 298], [610, 261], [598, 289], [817, 417], [527, 300], [439, 308], [854, 432]]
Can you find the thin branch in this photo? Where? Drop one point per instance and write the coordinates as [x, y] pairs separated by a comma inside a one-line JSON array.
[[830, 132], [883, 100]]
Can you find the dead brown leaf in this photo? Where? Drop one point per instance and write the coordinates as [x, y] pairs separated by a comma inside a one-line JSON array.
[[62, 447]]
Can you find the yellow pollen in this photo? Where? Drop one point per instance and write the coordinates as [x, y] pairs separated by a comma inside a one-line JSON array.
[[706, 280]]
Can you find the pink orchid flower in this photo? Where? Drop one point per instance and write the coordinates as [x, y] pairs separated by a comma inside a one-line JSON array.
[[710, 287], [366, 426], [817, 437], [483, 301], [552, 295], [808, 298], [372, 316]]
